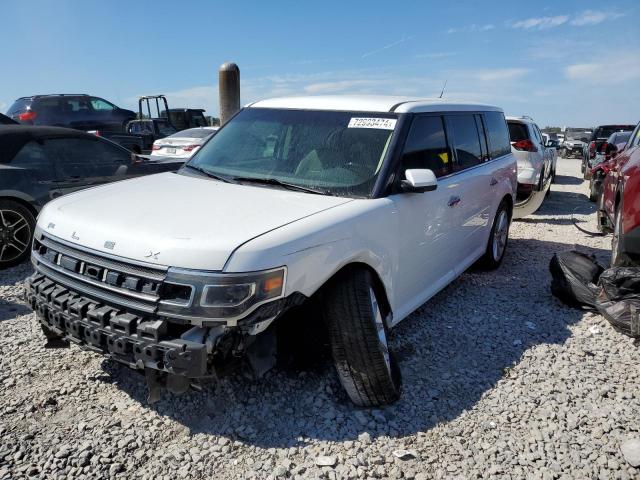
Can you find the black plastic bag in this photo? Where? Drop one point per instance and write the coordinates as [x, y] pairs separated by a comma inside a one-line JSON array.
[[575, 277], [619, 299]]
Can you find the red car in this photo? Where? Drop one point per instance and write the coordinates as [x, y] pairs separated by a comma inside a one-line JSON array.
[[619, 205]]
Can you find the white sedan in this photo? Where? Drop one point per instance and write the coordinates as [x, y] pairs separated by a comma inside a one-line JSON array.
[[182, 144]]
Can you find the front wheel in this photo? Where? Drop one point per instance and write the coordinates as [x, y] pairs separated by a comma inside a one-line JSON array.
[[17, 225], [355, 319], [498, 239]]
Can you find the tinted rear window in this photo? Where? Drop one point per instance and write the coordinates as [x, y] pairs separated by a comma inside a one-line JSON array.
[[18, 106], [498, 134], [518, 131], [607, 130]]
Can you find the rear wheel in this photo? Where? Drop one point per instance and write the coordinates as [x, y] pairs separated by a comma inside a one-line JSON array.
[[355, 319], [618, 257], [498, 239], [17, 224], [593, 191]]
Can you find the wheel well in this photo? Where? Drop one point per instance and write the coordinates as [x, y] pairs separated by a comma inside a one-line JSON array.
[[378, 285], [24, 203]]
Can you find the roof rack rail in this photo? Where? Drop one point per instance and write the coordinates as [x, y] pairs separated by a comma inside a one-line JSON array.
[[60, 95]]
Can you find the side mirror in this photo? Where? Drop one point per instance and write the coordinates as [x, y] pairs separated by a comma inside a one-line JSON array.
[[419, 180]]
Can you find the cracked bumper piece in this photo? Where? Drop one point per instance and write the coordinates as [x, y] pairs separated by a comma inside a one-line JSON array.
[[146, 341], [128, 338]]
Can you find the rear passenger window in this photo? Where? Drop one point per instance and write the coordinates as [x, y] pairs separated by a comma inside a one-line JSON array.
[[497, 133], [426, 146], [465, 141], [33, 157]]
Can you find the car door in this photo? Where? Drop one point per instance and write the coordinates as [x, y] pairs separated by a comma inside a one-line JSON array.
[[83, 162], [427, 221], [474, 180]]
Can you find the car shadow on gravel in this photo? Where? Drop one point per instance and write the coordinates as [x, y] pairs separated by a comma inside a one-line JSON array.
[[565, 203], [452, 351], [10, 310], [567, 180]]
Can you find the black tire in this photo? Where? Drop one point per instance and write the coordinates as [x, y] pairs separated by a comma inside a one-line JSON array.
[[553, 176], [17, 225], [354, 316], [493, 256], [593, 193], [618, 257]]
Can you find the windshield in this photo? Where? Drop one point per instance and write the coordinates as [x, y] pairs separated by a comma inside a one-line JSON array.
[[339, 153], [582, 135], [194, 133]]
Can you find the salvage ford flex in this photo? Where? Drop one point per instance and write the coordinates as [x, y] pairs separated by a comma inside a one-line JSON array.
[[363, 206]]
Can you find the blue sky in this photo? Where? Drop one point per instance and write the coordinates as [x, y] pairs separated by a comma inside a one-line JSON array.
[[563, 63]]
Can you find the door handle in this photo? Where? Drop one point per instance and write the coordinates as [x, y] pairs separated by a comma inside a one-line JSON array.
[[493, 182], [453, 201]]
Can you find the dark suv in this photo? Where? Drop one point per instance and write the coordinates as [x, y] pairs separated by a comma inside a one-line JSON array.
[[82, 112]]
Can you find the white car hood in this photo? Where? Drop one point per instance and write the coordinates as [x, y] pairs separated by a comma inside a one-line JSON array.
[[176, 220]]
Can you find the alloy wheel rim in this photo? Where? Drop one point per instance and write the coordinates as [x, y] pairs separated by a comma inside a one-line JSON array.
[[500, 235], [382, 334], [15, 234]]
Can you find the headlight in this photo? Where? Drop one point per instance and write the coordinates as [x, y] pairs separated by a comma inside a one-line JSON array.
[[188, 293]]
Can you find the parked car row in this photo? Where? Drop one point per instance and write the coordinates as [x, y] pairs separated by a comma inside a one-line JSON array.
[[280, 210], [615, 187], [136, 132]]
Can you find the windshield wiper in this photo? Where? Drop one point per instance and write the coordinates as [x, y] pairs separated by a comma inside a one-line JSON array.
[[280, 183], [209, 174]]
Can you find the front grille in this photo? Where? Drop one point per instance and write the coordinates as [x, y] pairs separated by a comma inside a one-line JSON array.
[[127, 284]]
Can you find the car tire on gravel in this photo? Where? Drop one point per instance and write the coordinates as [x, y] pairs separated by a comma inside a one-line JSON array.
[[355, 319], [498, 239], [618, 257], [17, 225], [593, 193]]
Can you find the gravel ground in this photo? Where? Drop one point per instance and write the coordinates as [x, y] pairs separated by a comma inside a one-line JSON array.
[[500, 381]]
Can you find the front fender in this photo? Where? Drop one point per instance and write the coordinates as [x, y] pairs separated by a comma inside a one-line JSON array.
[[315, 248]]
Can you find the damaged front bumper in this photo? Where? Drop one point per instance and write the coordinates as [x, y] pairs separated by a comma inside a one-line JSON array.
[[118, 309]]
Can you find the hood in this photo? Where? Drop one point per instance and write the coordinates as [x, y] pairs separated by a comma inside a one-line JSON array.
[[176, 220]]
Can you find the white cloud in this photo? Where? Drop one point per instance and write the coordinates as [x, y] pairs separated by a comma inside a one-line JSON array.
[[592, 17], [473, 28], [501, 74], [541, 23], [616, 70], [586, 18]]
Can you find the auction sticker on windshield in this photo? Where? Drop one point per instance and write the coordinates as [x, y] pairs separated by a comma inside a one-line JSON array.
[[381, 123]]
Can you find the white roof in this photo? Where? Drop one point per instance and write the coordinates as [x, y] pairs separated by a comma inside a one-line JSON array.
[[519, 119], [370, 103]]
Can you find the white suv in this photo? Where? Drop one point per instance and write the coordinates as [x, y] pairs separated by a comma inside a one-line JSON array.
[[365, 206], [536, 164]]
